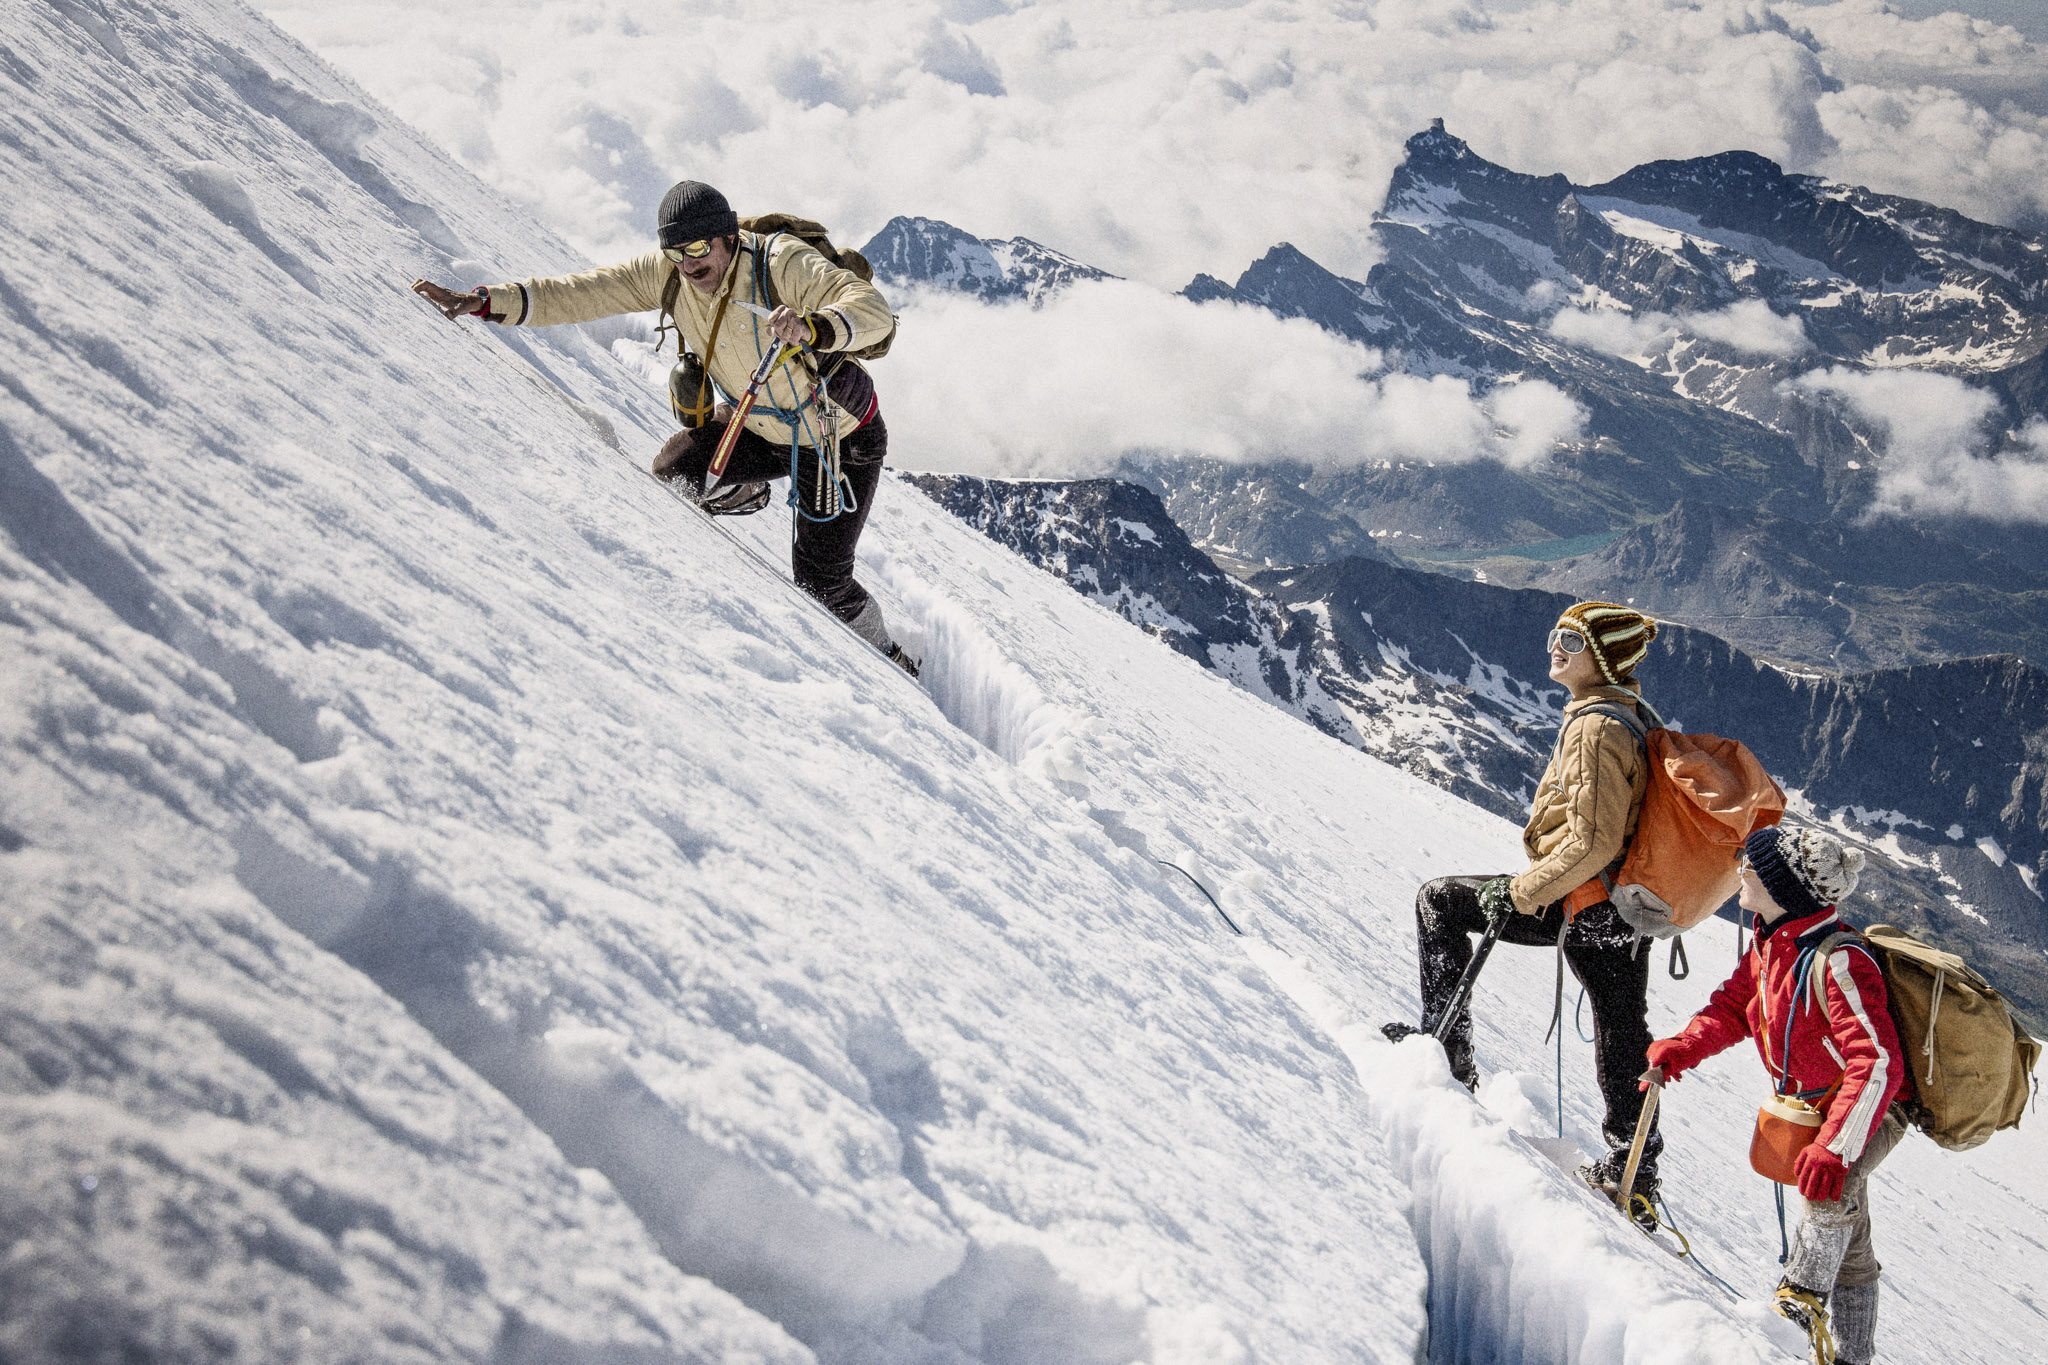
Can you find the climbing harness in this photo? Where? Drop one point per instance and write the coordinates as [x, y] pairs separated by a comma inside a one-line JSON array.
[[813, 416]]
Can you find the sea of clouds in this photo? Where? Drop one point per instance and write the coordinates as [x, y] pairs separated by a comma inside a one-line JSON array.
[[1113, 367], [1161, 138]]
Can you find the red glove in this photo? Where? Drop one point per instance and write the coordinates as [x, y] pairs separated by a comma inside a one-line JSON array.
[[1820, 1173], [1672, 1056]]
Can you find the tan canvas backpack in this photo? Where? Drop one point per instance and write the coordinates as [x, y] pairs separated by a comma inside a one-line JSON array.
[[1971, 1058]]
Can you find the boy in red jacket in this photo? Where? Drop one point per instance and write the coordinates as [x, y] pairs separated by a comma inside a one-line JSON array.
[[1824, 1027]]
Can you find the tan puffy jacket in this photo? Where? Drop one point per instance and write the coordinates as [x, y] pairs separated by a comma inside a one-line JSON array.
[[804, 280], [1587, 804]]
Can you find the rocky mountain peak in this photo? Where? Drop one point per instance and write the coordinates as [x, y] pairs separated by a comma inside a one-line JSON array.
[[927, 251], [1442, 178], [1753, 195], [1436, 144]]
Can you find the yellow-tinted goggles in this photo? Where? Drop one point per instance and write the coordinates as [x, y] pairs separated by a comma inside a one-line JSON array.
[[688, 251]]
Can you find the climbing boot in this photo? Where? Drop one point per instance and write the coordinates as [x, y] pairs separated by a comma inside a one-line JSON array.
[[1798, 1304], [735, 499], [1604, 1176], [901, 657]]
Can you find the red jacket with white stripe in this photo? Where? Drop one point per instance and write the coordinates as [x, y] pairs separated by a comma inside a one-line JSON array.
[[1842, 1034]]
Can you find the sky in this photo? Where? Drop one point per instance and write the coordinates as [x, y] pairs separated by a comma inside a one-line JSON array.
[[2028, 16], [1168, 137]]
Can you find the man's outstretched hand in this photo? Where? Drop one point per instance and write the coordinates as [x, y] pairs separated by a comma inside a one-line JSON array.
[[452, 304]]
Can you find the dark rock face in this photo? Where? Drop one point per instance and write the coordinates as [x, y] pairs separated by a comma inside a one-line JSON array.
[[1943, 767], [1841, 596], [1746, 193]]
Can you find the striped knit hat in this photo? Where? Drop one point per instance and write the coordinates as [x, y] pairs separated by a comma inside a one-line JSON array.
[[1618, 636]]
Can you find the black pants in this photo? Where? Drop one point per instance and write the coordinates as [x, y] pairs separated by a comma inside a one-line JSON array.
[[822, 557], [1602, 952]]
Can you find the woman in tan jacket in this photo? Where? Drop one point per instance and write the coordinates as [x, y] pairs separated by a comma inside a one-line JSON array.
[[737, 297], [1580, 821]]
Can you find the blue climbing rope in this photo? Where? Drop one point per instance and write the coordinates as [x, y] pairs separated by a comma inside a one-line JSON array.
[[1665, 1217], [799, 419]]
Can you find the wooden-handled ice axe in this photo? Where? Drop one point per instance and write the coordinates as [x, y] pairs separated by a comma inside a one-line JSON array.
[[1626, 1195], [774, 357]]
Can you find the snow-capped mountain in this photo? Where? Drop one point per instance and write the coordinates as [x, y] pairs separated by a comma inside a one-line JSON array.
[[1676, 304], [460, 904], [1446, 679], [926, 252], [1490, 274]]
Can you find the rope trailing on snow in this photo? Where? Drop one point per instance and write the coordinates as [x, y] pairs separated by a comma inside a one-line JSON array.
[[1560, 1082], [1205, 894], [1661, 1212]]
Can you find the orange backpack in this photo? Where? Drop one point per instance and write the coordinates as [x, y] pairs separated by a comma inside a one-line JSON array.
[[1706, 795]]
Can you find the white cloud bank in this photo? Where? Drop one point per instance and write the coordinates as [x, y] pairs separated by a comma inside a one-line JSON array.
[[1748, 327], [1943, 455], [1108, 369], [1161, 139]]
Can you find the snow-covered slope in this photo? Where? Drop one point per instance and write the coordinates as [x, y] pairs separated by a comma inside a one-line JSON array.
[[461, 905]]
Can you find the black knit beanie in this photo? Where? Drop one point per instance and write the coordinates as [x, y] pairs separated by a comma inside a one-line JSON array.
[[1804, 870], [693, 212]]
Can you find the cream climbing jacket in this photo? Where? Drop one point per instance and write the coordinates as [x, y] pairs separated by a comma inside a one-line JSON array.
[[803, 279], [1587, 804]]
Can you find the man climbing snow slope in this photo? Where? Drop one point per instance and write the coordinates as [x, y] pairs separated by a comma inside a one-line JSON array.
[[755, 303], [1580, 823]]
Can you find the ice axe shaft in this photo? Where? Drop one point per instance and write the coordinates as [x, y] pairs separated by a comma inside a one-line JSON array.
[[1454, 1009], [1644, 1122], [723, 454]]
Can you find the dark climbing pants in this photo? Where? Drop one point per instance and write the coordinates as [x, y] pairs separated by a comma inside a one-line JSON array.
[[1603, 953], [822, 557]]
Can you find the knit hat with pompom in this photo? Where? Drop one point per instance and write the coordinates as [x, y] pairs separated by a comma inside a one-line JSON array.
[[1803, 869]]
